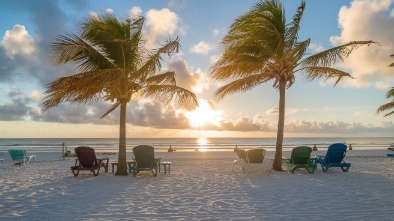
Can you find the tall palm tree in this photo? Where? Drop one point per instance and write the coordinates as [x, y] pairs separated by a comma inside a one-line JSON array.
[[113, 64], [260, 47]]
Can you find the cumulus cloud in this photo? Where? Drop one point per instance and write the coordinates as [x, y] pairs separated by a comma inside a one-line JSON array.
[[109, 10], [195, 82], [159, 24], [18, 42], [367, 20], [201, 48], [135, 11], [316, 48]]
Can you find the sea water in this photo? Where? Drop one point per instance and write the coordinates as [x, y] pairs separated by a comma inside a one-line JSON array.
[[190, 144]]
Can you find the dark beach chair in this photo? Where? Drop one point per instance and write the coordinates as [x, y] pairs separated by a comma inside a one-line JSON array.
[[144, 160], [87, 161], [334, 158]]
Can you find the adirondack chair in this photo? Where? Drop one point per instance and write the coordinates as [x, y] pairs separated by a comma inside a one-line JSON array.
[[20, 156], [300, 158], [334, 158], [254, 159], [87, 161], [144, 160]]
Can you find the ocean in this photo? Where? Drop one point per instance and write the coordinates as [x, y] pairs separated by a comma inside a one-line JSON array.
[[189, 144]]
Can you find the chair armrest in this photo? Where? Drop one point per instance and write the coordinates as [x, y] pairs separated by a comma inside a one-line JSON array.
[[312, 161]]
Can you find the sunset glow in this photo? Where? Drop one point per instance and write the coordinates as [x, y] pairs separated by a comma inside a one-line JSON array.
[[204, 115]]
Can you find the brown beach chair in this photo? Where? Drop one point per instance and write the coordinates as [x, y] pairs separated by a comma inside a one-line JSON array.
[[87, 161]]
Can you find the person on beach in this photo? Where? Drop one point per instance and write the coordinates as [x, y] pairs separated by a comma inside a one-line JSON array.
[[314, 148], [170, 149], [350, 147], [236, 148]]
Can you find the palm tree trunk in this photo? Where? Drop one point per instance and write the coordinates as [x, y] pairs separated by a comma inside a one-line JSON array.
[[122, 167], [277, 164]]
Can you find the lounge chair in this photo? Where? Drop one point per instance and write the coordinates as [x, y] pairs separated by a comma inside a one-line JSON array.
[[253, 159], [300, 158], [144, 160], [334, 158], [20, 156], [87, 161]]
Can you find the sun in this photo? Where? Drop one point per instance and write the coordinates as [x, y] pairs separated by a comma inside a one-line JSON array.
[[204, 115]]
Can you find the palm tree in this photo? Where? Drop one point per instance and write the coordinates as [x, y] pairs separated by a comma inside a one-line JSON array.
[[260, 47], [113, 64], [390, 94]]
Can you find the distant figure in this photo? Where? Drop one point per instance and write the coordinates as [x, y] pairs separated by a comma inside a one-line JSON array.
[[350, 147], [314, 148], [196, 150], [236, 148], [170, 149]]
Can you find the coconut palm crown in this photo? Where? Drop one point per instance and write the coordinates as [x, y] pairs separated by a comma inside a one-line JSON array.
[[260, 47], [389, 105], [113, 64]]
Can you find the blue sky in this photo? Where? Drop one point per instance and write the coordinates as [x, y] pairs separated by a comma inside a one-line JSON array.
[[313, 109]]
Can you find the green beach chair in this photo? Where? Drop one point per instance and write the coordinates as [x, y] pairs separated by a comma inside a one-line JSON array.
[[20, 156], [300, 158]]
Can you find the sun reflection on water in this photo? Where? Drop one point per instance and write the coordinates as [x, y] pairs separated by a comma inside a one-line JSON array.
[[202, 144]]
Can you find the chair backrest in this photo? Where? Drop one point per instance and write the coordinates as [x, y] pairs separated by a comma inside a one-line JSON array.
[[335, 153], [86, 156], [300, 155], [255, 155], [17, 154], [144, 155]]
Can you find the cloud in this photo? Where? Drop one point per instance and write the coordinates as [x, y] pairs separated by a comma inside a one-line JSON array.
[[135, 11], [18, 42], [109, 10], [159, 24], [367, 20], [195, 82], [201, 48], [316, 48]]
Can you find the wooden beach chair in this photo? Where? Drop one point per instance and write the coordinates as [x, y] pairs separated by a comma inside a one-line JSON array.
[[20, 156], [144, 160], [300, 158], [87, 161], [334, 158]]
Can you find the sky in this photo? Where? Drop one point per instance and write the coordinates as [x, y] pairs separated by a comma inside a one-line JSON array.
[[313, 109]]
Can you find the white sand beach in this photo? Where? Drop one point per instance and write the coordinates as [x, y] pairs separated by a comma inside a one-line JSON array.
[[201, 186]]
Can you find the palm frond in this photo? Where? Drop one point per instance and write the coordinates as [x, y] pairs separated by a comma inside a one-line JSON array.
[[71, 48], [152, 63], [386, 107], [392, 64], [315, 72], [112, 108], [167, 78], [241, 85], [168, 93], [291, 35], [390, 93], [328, 57]]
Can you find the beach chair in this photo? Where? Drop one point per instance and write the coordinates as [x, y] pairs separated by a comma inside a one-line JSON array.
[[253, 159], [87, 161], [20, 156], [144, 160], [300, 158], [334, 158]]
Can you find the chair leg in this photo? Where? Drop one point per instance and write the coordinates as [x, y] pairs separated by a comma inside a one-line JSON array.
[[73, 171]]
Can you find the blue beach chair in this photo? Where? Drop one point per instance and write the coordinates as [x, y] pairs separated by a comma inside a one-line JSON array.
[[334, 158], [20, 156]]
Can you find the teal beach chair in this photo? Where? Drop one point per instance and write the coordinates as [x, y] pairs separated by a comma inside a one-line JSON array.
[[20, 156]]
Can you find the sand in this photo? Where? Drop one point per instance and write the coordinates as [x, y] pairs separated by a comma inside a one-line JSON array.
[[201, 186]]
